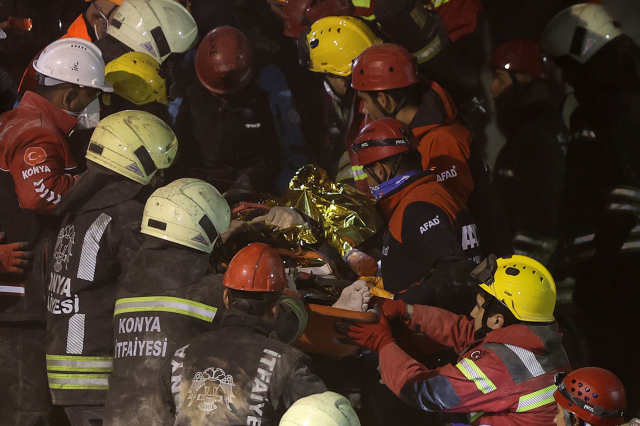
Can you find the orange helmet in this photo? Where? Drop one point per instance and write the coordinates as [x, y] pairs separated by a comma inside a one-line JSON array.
[[594, 395], [256, 268], [224, 61], [384, 67], [382, 139]]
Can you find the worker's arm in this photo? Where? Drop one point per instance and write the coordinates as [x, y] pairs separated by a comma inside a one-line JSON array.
[[454, 331]]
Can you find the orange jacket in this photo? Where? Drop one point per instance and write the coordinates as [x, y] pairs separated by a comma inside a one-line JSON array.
[[77, 29], [444, 143]]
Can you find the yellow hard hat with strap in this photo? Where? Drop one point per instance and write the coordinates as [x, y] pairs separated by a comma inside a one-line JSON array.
[[520, 283], [335, 42]]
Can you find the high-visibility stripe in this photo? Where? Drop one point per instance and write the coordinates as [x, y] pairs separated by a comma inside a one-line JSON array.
[[17, 290], [75, 334], [475, 415], [584, 239], [631, 246], [90, 247], [358, 172], [528, 359], [628, 193], [166, 304], [429, 51], [300, 313], [536, 399], [438, 3], [361, 3], [543, 244], [472, 372], [623, 208], [96, 364], [78, 381]]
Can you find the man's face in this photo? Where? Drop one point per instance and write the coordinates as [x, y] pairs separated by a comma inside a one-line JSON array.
[[501, 81], [478, 312], [559, 420], [340, 84], [370, 108], [80, 98]]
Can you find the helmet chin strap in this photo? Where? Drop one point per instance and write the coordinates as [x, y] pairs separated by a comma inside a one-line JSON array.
[[485, 329], [392, 174], [395, 112]]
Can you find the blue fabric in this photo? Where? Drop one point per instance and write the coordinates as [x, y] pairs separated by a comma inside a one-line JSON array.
[[391, 184]]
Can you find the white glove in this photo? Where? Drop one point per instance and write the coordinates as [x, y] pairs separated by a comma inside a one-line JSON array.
[[282, 217], [355, 297]]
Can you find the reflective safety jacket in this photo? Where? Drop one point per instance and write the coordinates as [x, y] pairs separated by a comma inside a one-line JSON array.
[[506, 378], [35, 171], [94, 244], [164, 301], [235, 376], [427, 227]]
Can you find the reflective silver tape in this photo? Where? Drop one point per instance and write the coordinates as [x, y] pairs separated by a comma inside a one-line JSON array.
[[90, 247], [75, 334], [528, 359]]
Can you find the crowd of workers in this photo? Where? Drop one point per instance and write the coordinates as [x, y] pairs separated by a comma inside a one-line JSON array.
[[135, 289]]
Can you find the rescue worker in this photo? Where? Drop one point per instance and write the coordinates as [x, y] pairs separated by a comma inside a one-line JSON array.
[[137, 84], [225, 118], [590, 396], [324, 409], [169, 297], [387, 80], [253, 380], [332, 44], [158, 28], [510, 350], [599, 211], [37, 170], [529, 169], [299, 15], [430, 232], [94, 247], [91, 26]]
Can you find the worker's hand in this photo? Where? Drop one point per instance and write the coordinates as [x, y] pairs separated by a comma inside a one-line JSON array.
[[282, 217], [372, 336], [355, 297], [390, 308], [633, 422], [12, 257], [361, 263], [235, 227]]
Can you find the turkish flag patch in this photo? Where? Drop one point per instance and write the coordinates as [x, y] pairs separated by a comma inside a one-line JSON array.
[[34, 155], [477, 354]]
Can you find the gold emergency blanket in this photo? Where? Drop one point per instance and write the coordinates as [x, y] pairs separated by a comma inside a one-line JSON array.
[[347, 215]]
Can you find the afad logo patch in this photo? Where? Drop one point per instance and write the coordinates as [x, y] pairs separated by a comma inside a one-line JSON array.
[[34, 155]]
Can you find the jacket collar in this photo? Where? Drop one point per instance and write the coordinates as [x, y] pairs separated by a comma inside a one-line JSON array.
[[235, 318], [538, 339], [49, 111], [390, 201], [436, 109]]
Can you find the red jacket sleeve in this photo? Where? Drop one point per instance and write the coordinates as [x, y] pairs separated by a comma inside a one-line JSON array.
[[39, 167], [469, 386], [451, 330]]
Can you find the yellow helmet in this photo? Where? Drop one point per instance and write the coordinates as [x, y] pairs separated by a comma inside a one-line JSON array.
[[335, 42], [522, 284], [134, 144], [136, 77], [322, 409], [189, 212]]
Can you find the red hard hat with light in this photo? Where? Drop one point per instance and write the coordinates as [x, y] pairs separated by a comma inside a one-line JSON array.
[[524, 55], [384, 67], [299, 15], [224, 61], [256, 268], [594, 395], [382, 139]]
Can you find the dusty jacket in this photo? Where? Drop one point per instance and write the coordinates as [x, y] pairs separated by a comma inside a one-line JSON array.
[[164, 302], [35, 167], [95, 243], [507, 378], [249, 382], [427, 228]]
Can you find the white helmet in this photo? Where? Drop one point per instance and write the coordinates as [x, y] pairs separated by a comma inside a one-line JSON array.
[[323, 409], [579, 31], [73, 60], [135, 144], [155, 27], [189, 212]]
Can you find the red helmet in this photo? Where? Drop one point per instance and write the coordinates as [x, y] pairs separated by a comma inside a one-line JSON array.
[[382, 139], [299, 15], [224, 61], [383, 67], [256, 268], [594, 395], [524, 55]]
